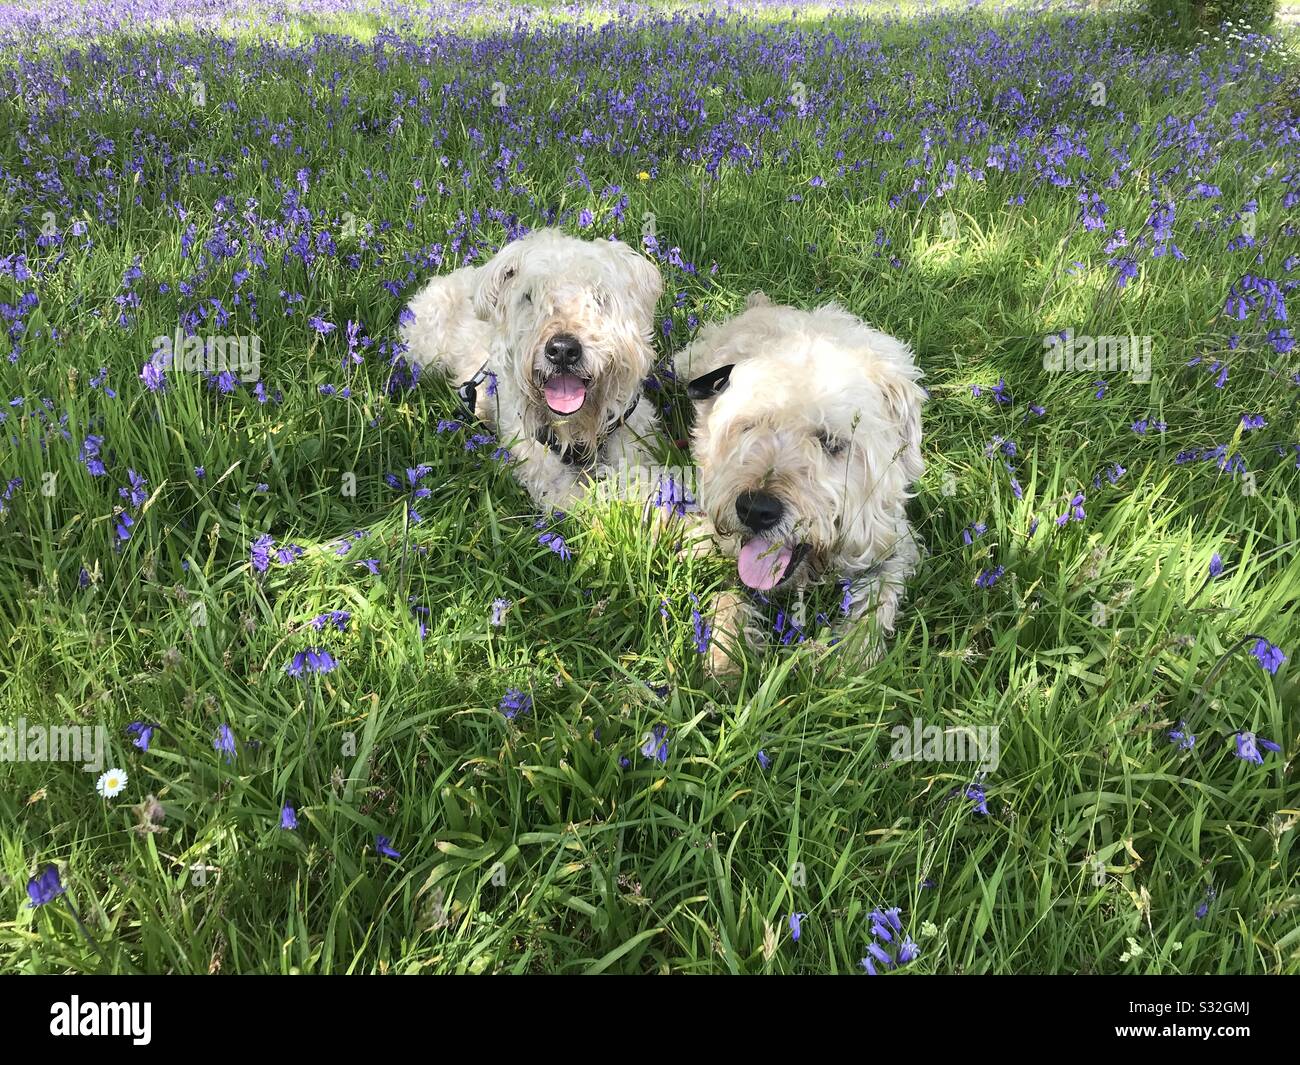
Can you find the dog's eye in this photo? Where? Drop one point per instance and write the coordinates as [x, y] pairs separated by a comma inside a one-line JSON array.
[[526, 298], [830, 444]]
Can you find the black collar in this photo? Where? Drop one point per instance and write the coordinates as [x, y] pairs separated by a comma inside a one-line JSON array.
[[468, 392], [582, 456]]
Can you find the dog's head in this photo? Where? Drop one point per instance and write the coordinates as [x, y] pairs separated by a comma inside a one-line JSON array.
[[807, 436], [576, 318]]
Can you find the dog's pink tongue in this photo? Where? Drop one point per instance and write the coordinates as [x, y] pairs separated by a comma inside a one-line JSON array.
[[565, 393], [762, 564]]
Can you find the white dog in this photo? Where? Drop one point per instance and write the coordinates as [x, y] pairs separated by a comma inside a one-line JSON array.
[[552, 341], [807, 437]]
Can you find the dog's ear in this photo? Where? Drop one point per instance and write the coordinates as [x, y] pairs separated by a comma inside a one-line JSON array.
[[645, 283], [757, 298], [710, 384], [903, 397], [493, 280]]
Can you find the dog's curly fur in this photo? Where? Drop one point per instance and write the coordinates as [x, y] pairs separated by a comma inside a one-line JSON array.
[[500, 317], [821, 413]]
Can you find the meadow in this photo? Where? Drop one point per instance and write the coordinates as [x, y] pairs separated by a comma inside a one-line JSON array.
[[376, 715]]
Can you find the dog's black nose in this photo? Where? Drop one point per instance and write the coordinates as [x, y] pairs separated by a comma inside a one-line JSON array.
[[758, 511], [563, 350]]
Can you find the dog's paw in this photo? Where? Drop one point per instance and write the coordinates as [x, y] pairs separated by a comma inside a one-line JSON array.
[[720, 665]]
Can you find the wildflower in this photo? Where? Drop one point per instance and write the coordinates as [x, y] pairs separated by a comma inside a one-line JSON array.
[[338, 618], [656, 744], [111, 783], [288, 818], [153, 377], [499, 608], [1185, 740], [312, 660], [260, 553], [703, 629], [514, 703], [556, 543], [44, 887], [1142, 424], [1269, 655], [225, 742], [135, 490], [1075, 511], [764, 761], [1253, 421], [1216, 565], [886, 927], [143, 734], [1248, 745], [796, 922], [989, 577], [975, 792], [90, 456], [383, 849]]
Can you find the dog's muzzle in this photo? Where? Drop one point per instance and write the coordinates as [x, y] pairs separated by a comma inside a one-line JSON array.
[[765, 561], [565, 388]]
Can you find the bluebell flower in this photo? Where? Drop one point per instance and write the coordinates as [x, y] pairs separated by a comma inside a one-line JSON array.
[[225, 742], [1248, 745], [143, 734], [796, 925], [1269, 655], [656, 745], [514, 703], [1074, 511], [312, 660], [44, 887], [288, 818], [383, 848], [260, 553], [556, 543], [338, 618], [703, 630]]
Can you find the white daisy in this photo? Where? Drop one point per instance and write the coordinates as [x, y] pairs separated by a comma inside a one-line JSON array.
[[111, 784]]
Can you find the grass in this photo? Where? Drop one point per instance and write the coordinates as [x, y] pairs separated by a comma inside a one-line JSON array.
[[526, 846]]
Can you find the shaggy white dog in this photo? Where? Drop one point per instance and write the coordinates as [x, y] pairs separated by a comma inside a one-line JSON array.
[[550, 342], [807, 437]]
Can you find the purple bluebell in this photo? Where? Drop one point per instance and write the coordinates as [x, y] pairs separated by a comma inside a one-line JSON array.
[[44, 887]]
